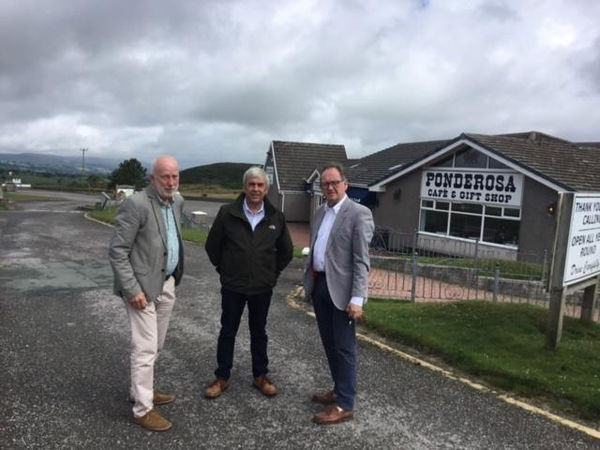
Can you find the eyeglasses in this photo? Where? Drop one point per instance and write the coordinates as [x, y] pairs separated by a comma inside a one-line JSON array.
[[326, 184]]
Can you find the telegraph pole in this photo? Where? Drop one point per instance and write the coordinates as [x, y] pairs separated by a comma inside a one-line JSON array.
[[83, 150]]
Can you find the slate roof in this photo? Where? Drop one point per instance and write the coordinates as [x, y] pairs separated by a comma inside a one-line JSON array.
[[572, 166], [589, 144], [376, 166], [565, 163], [295, 161]]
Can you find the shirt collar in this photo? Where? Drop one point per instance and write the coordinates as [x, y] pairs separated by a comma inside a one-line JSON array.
[[166, 203], [337, 206], [248, 210]]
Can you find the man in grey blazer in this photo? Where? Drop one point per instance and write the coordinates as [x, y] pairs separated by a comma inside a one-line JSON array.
[[336, 277], [146, 255]]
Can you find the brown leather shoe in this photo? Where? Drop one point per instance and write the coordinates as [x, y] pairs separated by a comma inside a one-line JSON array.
[[326, 398], [161, 398], [333, 414], [264, 385], [216, 388], [153, 421]]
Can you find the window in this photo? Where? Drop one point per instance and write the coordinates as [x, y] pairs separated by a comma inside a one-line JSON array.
[[493, 224], [446, 162], [501, 231], [494, 164], [465, 226], [434, 221], [468, 157]]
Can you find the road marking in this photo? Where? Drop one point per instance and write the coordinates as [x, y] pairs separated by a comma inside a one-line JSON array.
[[291, 300]]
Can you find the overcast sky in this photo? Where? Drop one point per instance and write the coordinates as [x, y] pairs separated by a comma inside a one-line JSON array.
[[212, 81]]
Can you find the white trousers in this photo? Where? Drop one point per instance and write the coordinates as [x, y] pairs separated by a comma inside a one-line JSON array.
[[148, 332]]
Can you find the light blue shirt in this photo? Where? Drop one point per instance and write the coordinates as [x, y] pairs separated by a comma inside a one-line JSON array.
[[253, 218], [172, 239], [318, 256]]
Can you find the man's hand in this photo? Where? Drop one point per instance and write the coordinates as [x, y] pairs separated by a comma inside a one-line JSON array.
[[138, 301], [355, 312]]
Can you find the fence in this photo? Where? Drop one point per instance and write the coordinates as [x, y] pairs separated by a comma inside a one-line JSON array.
[[404, 266]]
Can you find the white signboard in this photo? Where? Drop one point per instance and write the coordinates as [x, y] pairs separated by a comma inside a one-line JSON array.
[[583, 248], [499, 188]]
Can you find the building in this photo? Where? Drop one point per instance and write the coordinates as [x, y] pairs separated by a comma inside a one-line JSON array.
[[292, 168], [490, 195], [122, 191], [379, 165], [486, 193]]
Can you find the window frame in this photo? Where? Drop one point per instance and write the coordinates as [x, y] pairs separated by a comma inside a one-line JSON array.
[[482, 215]]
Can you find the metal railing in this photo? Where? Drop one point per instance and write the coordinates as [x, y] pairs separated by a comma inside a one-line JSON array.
[[404, 266]]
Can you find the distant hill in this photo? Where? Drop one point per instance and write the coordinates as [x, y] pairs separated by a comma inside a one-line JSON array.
[[55, 164], [227, 175]]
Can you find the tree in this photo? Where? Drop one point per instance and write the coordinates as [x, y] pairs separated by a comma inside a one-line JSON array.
[[129, 172], [94, 180]]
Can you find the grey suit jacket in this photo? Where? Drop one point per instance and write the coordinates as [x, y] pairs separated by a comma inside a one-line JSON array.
[[346, 254], [138, 248]]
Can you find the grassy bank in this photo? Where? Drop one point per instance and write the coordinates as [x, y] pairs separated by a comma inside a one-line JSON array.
[[107, 215], [208, 192], [504, 345], [196, 235]]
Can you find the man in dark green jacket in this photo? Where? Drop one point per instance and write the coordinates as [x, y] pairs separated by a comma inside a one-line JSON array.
[[249, 245]]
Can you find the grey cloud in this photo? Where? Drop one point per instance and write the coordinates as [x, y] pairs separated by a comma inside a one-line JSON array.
[[499, 10], [217, 80]]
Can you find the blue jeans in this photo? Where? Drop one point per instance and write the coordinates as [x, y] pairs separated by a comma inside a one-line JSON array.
[[338, 335], [232, 308]]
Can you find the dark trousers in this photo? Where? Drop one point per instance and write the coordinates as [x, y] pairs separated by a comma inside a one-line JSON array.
[[338, 335], [232, 308]]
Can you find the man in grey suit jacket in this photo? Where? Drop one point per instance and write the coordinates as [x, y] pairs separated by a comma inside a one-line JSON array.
[[336, 278], [146, 255]]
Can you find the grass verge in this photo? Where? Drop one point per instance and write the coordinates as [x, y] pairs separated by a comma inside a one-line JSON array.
[[504, 345], [107, 215], [195, 235]]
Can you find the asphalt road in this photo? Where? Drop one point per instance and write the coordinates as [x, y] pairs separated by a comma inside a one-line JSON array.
[[64, 355]]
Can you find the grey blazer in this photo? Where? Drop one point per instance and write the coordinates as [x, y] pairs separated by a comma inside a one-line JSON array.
[[138, 248], [346, 255]]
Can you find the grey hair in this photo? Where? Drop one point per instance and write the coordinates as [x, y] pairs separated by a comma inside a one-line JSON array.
[[158, 158], [255, 171]]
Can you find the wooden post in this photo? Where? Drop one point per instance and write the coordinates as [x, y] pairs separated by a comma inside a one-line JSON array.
[[557, 270], [587, 304]]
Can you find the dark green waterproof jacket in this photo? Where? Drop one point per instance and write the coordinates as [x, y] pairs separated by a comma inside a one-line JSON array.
[[249, 262]]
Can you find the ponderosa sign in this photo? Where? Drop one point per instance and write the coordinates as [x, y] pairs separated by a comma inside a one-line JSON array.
[[499, 188]]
